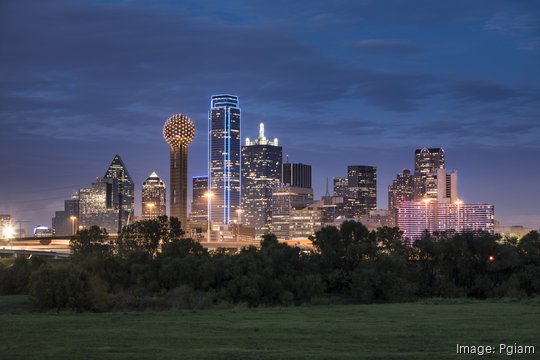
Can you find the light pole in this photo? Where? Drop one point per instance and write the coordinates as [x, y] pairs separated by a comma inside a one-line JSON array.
[[73, 218], [208, 196]]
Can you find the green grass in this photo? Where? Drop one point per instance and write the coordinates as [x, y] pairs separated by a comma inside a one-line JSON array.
[[427, 330]]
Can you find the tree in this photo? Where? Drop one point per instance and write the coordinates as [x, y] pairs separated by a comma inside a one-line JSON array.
[[90, 241]]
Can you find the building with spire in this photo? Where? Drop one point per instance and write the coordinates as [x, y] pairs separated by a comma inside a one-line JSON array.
[[153, 197], [224, 158], [126, 191], [261, 171], [179, 132]]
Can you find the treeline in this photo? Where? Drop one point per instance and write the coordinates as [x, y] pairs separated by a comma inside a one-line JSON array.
[[151, 266]]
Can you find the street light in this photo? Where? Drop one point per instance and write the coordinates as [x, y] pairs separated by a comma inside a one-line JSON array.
[[151, 207], [208, 196], [72, 218]]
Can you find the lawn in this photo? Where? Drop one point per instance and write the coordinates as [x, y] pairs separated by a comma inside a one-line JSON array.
[[391, 331]]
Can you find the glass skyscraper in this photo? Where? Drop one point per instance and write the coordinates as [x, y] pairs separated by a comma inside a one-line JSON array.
[[261, 171], [224, 158], [153, 197]]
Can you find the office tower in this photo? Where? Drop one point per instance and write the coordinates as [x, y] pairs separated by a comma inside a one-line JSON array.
[[297, 175], [426, 163], [341, 186], [306, 219], [261, 171], [284, 197], [179, 132], [66, 222], [402, 189], [199, 203], [224, 158], [100, 205], [362, 182], [153, 197], [440, 218], [126, 191]]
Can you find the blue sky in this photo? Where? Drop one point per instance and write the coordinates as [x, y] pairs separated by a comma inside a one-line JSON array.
[[339, 83]]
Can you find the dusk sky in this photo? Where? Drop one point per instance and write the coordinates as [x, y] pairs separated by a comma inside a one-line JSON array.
[[337, 82]]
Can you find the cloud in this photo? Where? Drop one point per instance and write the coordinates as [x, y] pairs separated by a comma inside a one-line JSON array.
[[381, 46], [484, 91]]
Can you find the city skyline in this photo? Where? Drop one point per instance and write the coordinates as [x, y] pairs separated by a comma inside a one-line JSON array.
[[370, 97]]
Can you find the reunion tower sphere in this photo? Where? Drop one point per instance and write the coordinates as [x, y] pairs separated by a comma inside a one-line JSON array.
[[179, 132]]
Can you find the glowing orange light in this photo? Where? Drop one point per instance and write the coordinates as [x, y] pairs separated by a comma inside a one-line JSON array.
[[491, 258], [179, 130]]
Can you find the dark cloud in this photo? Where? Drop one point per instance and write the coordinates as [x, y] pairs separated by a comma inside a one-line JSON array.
[[381, 46], [484, 91]]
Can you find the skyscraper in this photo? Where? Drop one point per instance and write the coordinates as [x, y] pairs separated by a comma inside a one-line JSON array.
[[224, 158], [153, 197], [179, 132], [362, 182], [126, 191], [284, 198], [99, 205], [341, 186], [65, 223], [261, 171], [297, 175], [402, 189], [199, 203], [426, 163]]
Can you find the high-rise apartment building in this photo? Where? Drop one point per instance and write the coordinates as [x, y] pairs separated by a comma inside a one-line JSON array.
[[443, 217], [261, 171], [362, 184], [126, 190], [153, 197], [179, 132], [297, 175], [199, 203], [224, 158]]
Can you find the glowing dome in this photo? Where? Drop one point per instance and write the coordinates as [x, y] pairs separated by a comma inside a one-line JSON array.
[[179, 130]]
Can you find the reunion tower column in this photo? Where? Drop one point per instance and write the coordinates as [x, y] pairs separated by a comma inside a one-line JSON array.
[[179, 131]]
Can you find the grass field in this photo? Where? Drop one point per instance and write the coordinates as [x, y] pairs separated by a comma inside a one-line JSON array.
[[391, 331]]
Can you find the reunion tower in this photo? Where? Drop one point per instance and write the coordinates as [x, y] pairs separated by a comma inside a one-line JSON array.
[[179, 131]]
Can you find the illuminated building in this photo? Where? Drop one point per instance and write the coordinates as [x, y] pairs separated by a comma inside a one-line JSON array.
[[224, 158], [66, 222], [443, 217], [6, 226], [284, 197], [426, 163], [261, 171], [153, 197], [402, 189], [199, 203], [305, 219], [297, 175], [99, 205], [341, 186], [179, 132], [126, 191], [362, 183]]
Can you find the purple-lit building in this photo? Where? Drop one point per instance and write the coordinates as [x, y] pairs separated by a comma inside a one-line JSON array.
[[415, 217]]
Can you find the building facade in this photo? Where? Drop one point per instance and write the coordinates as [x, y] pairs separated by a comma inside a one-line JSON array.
[[284, 197], [224, 158], [99, 205], [126, 191], [297, 175], [401, 189], [66, 222], [341, 186], [362, 184], [199, 203], [261, 171], [443, 217], [426, 163], [154, 194]]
